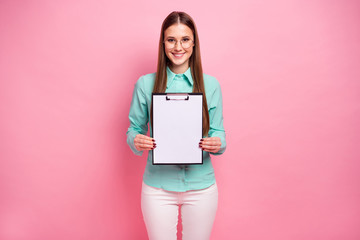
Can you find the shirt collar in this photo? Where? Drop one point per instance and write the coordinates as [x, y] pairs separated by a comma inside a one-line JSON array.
[[171, 76]]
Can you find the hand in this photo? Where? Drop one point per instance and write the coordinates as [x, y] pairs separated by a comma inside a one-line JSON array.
[[210, 144], [143, 143]]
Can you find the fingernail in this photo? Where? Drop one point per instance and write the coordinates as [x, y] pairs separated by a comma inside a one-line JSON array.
[[201, 140], [153, 140]]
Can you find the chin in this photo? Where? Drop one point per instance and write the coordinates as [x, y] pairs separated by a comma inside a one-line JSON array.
[[179, 62]]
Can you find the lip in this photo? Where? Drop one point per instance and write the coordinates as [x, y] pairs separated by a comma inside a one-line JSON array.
[[178, 55]]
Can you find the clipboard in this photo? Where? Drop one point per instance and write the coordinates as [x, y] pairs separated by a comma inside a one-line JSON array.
[[177, 125]]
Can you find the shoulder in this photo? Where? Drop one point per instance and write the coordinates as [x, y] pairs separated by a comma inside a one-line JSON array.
[[144, 79], [146, 82], [211, 83]]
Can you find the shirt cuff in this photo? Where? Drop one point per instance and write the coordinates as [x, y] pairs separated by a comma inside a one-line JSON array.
[[221, 135], [130, 141]]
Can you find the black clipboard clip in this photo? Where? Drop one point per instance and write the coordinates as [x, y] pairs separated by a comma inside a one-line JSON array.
[[177, 96]]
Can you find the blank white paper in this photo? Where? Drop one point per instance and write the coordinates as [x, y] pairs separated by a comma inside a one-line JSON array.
[[177, 129]]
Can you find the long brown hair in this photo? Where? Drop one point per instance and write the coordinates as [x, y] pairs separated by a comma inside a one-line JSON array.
[[194, 62]]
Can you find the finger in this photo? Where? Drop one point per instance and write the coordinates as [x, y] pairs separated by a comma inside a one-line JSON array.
[[214, 150], [211, 140], [145, 145], [143, 141], [216, 144], [211, 144], [145, 148], [141, 136], [148, 138], [210, 147]]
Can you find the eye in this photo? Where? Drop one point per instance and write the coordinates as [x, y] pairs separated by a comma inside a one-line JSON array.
[[186, 40], [171, 40]]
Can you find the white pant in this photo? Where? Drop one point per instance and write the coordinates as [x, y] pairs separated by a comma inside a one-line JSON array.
[[160, 212]]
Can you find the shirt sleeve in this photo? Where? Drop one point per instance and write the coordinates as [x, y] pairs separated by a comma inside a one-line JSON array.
[[216, 118], [138, 115]]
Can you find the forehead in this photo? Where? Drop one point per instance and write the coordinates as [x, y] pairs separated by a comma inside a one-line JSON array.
[[178, 30]]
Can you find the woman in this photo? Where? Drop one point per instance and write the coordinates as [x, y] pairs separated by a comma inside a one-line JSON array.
[[166, 187]]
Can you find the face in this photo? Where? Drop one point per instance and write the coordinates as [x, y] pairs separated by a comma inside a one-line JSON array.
[[178, 56]]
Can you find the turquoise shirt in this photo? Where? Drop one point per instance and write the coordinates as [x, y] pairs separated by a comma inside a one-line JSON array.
[[178, 178]]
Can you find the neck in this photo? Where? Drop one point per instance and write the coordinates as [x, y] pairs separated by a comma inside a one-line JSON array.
[[179, 69]]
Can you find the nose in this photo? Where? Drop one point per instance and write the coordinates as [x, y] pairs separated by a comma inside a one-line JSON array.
[[178, 46]]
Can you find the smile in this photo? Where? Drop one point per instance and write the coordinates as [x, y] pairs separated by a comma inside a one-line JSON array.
[[178, 55]]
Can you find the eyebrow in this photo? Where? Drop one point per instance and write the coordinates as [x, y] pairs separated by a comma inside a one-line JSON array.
[[182, 36]]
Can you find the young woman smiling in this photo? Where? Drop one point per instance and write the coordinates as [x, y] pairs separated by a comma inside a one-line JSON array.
[[167, 187]]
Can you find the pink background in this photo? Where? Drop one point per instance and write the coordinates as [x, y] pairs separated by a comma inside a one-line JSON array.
[[290, 77]]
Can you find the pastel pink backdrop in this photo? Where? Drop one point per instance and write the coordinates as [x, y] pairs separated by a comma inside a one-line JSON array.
[[289, 72]]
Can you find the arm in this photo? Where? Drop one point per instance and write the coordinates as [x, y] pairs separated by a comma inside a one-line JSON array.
[[138, 117], [215, 143]]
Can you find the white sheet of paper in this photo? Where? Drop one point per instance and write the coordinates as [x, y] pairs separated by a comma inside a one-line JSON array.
[[177, 129]]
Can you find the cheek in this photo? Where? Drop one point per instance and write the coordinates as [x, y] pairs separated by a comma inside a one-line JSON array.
[[167, 53], [190, 52]]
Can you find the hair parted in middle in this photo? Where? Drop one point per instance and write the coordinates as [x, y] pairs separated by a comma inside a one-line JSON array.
[[177, 17]]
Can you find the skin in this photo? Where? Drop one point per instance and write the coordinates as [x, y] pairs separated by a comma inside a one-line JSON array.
[[178, 65], [178, 32]]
